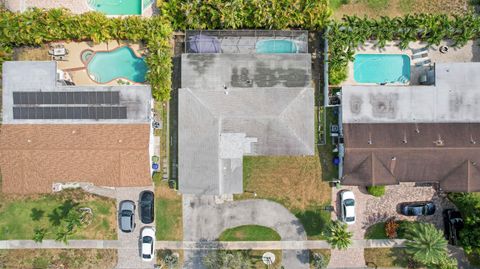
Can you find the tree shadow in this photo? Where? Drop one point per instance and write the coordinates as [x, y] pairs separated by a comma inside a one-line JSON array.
[[314, 221], [61, 212], [37, 214]]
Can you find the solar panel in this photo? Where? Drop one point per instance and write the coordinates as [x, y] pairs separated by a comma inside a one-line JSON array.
[[21, 112], [54, 98]]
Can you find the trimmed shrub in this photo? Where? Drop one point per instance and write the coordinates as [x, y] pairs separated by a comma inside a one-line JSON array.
[[391, 227], [377, 191]]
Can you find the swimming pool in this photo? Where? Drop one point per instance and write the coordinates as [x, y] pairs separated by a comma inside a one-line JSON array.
[[381, 68], [276, 46], [104, 67], [117, 7]]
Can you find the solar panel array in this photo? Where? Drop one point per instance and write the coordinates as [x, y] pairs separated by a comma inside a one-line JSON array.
[[68, 105], [66, 98]]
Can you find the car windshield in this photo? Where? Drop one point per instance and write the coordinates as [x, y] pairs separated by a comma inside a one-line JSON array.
[[126, 213], [350, 219], [349, 202], [146, 256], [415, 210], [147, 239]]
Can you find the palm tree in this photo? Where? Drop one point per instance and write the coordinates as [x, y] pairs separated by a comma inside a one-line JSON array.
[[338, 236], [426, 244], [39, 234]]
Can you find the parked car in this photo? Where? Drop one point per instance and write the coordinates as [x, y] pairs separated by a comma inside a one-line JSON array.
[[126, 216], [147, 201], [348, 207], [417, 208], [453, 223], [148, 244]]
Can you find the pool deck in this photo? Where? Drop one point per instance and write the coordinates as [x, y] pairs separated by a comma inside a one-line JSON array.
[[74, 66], [468, 53], [76, 6]]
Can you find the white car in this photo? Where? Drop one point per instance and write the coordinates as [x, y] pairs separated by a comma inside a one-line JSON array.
[[148, 244], [348, 207]]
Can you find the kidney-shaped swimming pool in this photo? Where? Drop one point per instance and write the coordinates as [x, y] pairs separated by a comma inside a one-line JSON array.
[[105, 66]]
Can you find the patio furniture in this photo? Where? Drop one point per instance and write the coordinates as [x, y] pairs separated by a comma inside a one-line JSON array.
[[426, 62], [59, 58], [420, 50], [418, 56]]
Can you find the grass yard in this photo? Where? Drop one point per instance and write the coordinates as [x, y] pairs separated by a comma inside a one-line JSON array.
[[294, 182], [164, 258], [326, 253], [249, 233], [168, 213], [385, 257], [392, 8], [58, 258], [376, 231], [32, 53], [20, 215]]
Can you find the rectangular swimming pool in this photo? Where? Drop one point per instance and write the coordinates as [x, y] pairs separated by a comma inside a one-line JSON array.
[[381, 68]]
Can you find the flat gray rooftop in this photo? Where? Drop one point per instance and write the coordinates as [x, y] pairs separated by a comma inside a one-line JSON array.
[[236, 105], [31, 96], [454, 98]]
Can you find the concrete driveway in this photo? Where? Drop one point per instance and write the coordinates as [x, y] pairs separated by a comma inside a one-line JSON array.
[[129, 253], [204, 220]]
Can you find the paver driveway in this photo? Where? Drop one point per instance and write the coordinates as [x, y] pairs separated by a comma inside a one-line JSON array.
[[204, 220]]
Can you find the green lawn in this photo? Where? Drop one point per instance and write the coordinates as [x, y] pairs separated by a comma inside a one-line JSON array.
[[376, 231], [385, 257], [295, 182], [168, 213], [58, 258], [249, 233], [19, 216]]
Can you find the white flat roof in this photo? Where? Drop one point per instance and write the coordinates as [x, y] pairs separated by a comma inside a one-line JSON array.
[[455, 97]]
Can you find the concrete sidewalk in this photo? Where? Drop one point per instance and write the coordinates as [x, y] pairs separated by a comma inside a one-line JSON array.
[[191, 245]]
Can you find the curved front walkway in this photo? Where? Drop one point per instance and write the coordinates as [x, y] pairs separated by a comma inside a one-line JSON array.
[[204, 220]]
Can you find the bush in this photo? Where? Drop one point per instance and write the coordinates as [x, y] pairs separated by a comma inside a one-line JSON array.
[[391, 227], [377, 191], [469, 206], [337, 75]]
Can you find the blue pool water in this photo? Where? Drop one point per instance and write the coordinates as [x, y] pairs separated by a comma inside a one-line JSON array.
[[119, 63], [276, 46], [117, 7], [381, 68]]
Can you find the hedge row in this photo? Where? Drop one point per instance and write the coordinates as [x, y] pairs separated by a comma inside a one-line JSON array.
[[246, 14], [35, 27]]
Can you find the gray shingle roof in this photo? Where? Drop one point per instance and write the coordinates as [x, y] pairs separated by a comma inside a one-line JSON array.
[[271, 114], [32, 78]]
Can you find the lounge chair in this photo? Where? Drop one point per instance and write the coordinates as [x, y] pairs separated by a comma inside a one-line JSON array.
[[423, 63], [420, 50], [418, 56]]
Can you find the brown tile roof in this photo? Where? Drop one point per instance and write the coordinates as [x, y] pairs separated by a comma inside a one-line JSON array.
[[381, 154], [34, 156]]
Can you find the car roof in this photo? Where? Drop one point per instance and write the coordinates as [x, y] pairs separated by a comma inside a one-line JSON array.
[[350, 211], [125, 223]]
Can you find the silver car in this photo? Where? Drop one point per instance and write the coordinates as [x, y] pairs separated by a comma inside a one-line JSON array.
[[126, 216]]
